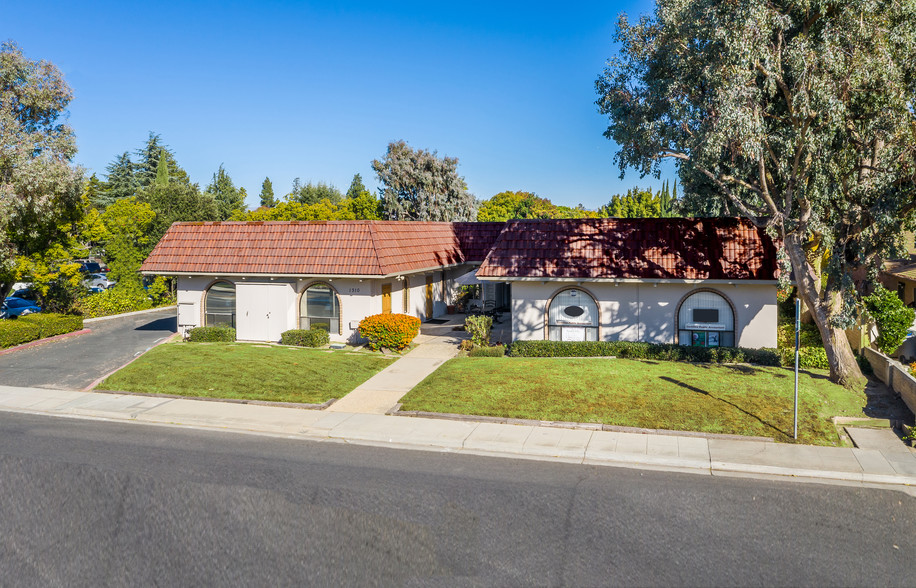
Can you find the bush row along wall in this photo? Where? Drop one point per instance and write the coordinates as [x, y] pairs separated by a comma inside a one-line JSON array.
[[37, 326], [894, 374]]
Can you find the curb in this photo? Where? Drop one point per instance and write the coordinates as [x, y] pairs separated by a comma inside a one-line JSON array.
[[297, 405], [38, 342], [125, 314]]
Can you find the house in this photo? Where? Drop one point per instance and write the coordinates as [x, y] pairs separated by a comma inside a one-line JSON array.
[[708, 282], [899, 275]]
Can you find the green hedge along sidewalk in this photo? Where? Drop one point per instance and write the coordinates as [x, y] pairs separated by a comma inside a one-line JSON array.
[[730, 399], [33, 327], [246, 371]]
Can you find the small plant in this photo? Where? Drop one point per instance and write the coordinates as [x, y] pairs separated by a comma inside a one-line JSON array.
[[211, 334], [314, 337], [479, 327], [891, 316], [392, 331], [465, 345]]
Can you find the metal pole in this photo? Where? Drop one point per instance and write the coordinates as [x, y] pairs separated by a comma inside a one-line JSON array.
[[797, 329]]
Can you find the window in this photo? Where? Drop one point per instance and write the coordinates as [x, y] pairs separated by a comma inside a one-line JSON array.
[[572, 316], [318, 308], [705, 319], [220, 305]]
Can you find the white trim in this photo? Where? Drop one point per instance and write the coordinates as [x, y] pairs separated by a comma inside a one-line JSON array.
[[580, 281]]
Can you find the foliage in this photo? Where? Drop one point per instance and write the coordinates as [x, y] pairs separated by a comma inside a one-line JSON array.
[[314, 337], [363, 208], [175, 202], [418, 185], [357, 188], [313, 193], [892, 318], [211, 335], [127, 222], [267, 194], [808, 357], [122, 181], [809, 336], [149, 156], [639, 350], [39, 189], [796, 115], [37, 326], [160, 292], [521, 205], [495, 351], [392, 331], [117, 300], [465, 345], [479, 327], [229, 199]]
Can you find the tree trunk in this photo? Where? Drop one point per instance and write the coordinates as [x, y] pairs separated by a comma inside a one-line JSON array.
[[844, 369]]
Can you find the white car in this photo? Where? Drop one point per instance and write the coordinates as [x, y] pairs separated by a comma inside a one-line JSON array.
[[98, 282]]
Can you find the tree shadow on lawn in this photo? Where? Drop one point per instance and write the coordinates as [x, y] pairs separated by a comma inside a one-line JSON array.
[[735, 406]]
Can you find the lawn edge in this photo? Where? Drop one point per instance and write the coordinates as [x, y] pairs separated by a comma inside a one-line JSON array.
[[91, 386], [299, 405]]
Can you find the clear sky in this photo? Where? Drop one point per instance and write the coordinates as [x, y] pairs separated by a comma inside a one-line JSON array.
[[317, 90]]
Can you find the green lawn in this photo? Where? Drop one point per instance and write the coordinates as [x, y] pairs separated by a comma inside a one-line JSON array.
[[246, 371], [739, 399]]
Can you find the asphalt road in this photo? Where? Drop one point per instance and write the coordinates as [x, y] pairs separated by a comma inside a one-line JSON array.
[[96, 503], [75, 362]]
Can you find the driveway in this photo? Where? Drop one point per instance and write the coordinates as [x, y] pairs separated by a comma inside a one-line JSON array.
[[75, 362]]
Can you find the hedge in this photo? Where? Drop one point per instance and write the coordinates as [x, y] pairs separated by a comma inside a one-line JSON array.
[[495, 351], [211, 334], [37, 326], [393, 331], [808, 357], [114, 301], [638, 350], [314, 337]]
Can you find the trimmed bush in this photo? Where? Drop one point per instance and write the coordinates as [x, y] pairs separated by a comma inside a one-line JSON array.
[[892, 317], [314, 337], [808, 357], [495, 351], [37, 326], [114, 301], [639, 350], [479, 327], [211, 334], [392, 331]]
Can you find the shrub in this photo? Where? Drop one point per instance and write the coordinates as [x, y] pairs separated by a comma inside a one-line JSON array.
[[393, 331], [640, 350], [37, 326], [211, 334], [314, 337], [495, 351], [114, 301], [892, 318], [465, 345], [479, 327], [808, 336]]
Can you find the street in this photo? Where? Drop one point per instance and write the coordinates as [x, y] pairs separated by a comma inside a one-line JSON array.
[[95, 503], [75, 362]]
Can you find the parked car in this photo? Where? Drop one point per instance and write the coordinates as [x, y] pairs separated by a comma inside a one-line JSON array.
[[14, 307], [25, 294], [98, 282], [90, 267]]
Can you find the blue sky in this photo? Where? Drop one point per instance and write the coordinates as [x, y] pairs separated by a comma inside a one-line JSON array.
[[316, 91]]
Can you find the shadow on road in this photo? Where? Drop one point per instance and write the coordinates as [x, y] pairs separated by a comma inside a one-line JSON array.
[[164, 324]]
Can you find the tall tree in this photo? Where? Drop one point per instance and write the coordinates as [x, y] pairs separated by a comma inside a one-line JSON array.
[[418, 185], [174, 202], [314, 193], [799, 114], [635, 203], [127, 222], [148, 157], [162, 172], [267, 194], [356, 187], [121, 182], [228, 198], [39, 188]]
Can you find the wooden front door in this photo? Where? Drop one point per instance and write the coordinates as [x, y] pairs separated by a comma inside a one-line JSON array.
[[429, 297], [386, 298]]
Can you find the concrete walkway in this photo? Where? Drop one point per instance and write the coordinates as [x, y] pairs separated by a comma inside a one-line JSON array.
[[668, 452], [381, 392]]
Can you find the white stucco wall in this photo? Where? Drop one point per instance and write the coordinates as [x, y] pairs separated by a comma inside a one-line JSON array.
[[646, 312]]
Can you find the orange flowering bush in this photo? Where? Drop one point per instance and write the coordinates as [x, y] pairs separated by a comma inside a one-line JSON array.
[[394, 331]]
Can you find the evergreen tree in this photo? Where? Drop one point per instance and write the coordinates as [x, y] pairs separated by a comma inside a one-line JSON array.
[[95, 192], [174, 202], [162, 172], [267, 194], [228, 198], [356, 187], [121, 181], [314, 193]]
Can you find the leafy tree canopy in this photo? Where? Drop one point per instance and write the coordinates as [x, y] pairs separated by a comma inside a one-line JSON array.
[[39, 188], [313, 193], [229, 199], [127, 222], [637, 203], [418, 185], [799, 115], [521, 205], [176, 202]]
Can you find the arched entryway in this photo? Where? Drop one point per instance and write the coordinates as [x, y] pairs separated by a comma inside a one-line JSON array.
[[706, 318]]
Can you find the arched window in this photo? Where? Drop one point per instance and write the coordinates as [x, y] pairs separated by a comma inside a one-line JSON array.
[[318, 308], [220, 305], [572, 316], [706, 319]]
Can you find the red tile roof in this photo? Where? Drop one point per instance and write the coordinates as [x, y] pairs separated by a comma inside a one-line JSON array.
[[678, 248], [318, 248]]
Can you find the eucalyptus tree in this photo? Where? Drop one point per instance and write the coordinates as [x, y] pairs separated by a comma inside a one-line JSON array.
[[418, 185], [39, 187], [796, 114]]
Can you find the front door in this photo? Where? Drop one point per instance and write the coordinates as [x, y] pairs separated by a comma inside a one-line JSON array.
[[261, 311], [429, 297], [386, 298]]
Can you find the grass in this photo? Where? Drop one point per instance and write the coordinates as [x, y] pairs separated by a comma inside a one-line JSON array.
[[246, 371], [734, 399]]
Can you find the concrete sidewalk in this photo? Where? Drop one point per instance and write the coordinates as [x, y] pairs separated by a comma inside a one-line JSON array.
[[652, 451]]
